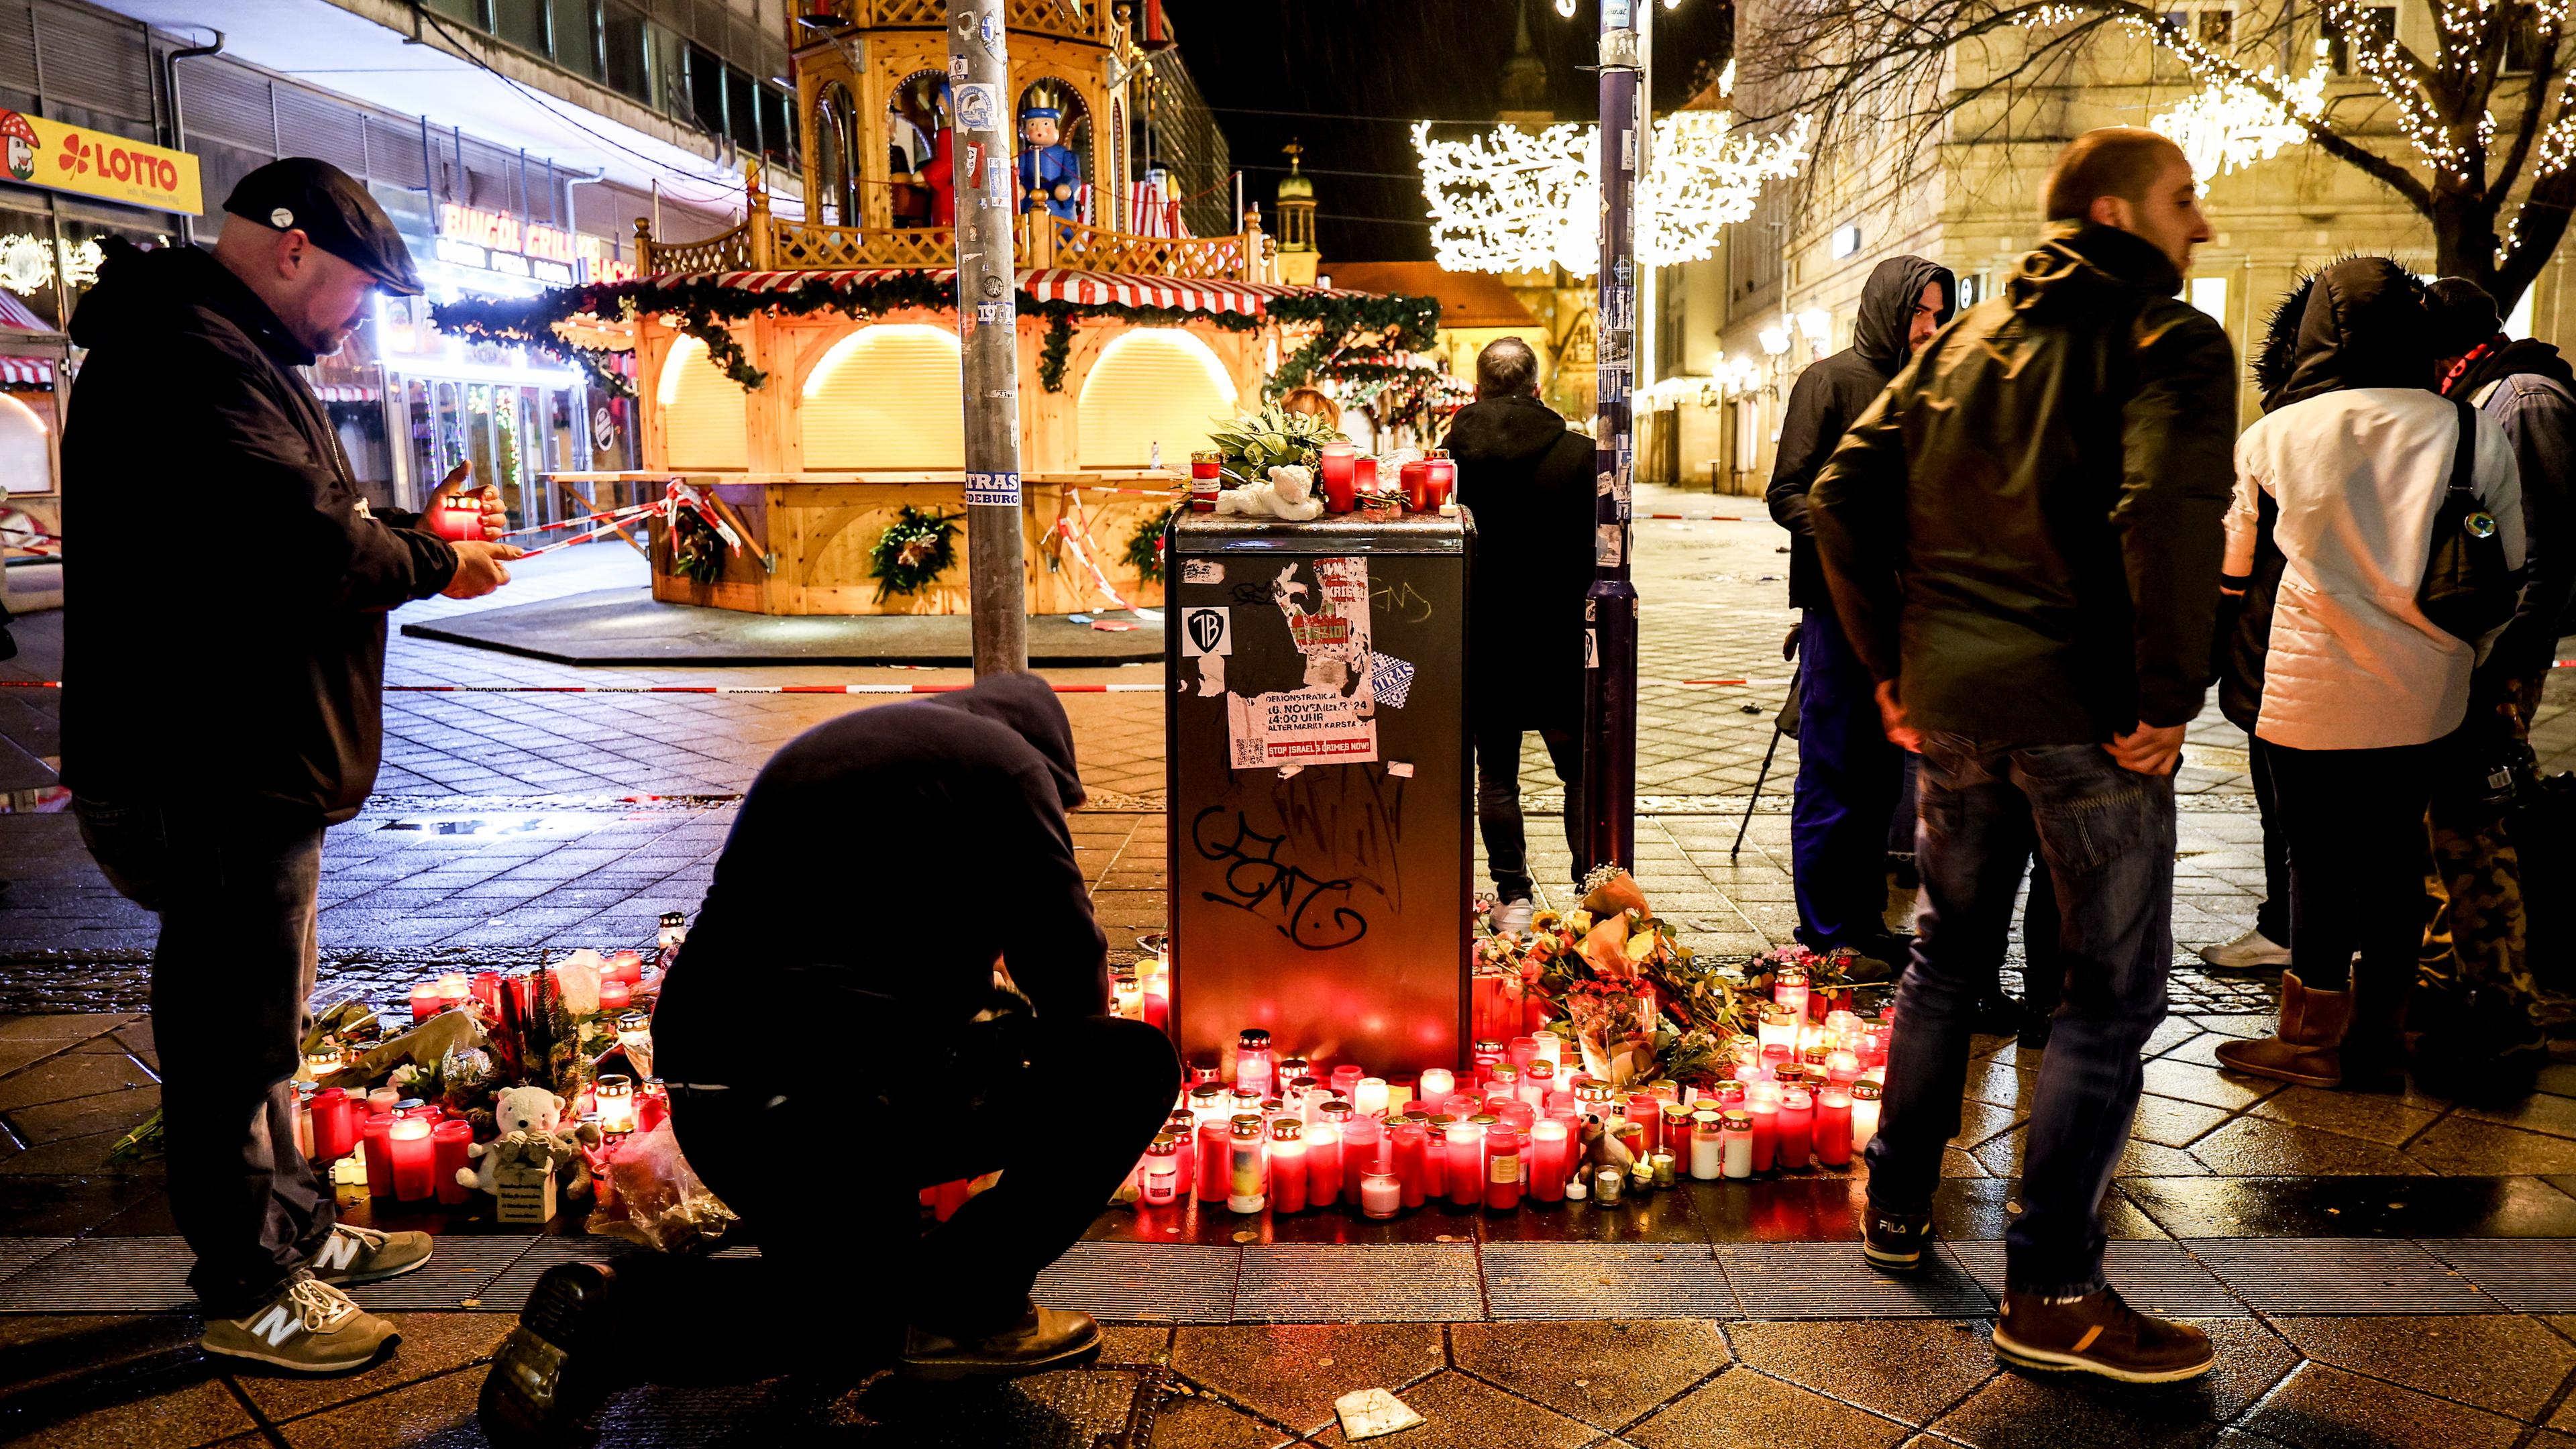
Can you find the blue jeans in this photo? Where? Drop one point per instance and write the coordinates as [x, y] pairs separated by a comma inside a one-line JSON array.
[[2106, 836], [232, 978], [1849, 780]]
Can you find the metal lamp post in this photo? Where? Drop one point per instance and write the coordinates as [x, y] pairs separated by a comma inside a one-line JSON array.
[[979, 73], [1610, 609]]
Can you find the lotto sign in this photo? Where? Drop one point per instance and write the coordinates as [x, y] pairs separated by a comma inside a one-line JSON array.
[[50, 154]]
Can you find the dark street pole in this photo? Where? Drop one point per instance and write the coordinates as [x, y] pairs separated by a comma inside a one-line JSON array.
[[1610, 610], [988, 332]]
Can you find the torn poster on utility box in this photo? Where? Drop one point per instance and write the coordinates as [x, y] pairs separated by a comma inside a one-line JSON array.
[[1331, 719]]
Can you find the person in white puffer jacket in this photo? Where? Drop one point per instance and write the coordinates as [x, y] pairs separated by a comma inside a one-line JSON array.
[[2333, 667]]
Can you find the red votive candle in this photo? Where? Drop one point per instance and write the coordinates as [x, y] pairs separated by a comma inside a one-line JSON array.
[[1762, 1104], [1466, 1166], [413, 1156], [1502, 1171], [1436, 1084], [426, 1002], [1323, 1164], [1287, 1165], [1648, 1114], [1183, 1129], [1336, 465], [1207, 480], [1797, 1128], [1517, 1115], [1410, 1144], [626, 966], [1346, 1081], [335, 1125], [1363, 1147], [614, 994], [1547, 1170], [448, 1141], [1435, 1155], [1442, 479], [380, 1163], [1214, 1150], [1253, 1062], [1489, 1050], [1833, 1126]]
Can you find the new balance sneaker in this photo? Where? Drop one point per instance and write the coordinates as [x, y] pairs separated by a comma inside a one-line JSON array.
[[354, 1255], [1047, 1338], [1894, 1242], [2099, 1334], [310, 1327], [2252, 951], [558, 1366]]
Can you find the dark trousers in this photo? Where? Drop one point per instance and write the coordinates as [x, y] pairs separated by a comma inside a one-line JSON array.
[[1498, 803], [2107, 836], [2272, 918], [1849, 781], [829, 1189], [2353, 822], [232, 977]]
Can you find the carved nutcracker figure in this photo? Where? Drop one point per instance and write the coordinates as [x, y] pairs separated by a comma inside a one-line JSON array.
[[1049, 171]]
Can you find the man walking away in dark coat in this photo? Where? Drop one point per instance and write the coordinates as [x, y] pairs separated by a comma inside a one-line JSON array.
[[1527, 479], [830, 1056], [2023, 538], [2493, 1007], [206, 751], [1849, 776]]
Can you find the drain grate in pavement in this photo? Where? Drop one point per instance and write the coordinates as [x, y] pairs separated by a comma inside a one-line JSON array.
[[1143, 1282], [2339, 1275], [105, 1275], [1832, 1280], [461, 1268], [1605, 1280], [2154, 1275], [2524, 1274], [1359, 1283], [17, 1254]]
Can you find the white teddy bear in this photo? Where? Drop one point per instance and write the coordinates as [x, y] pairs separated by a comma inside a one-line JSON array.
[[1289, 494], [530, 1123]]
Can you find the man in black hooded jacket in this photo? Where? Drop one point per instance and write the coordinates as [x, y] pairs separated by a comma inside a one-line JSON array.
[[209, 737], [1849, 776], [890, 1077]]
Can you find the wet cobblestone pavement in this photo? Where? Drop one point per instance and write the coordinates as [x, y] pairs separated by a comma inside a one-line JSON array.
[[2392, 1270]]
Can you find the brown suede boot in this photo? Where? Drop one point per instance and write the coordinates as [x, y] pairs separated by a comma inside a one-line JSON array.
[[2308, 1049], [2374, 1051]]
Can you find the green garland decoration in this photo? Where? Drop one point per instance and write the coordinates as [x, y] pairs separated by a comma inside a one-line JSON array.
[[1145, 545], [914, 550], [706, 308]]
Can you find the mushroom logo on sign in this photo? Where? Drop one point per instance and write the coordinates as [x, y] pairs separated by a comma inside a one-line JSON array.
[[22, 145]]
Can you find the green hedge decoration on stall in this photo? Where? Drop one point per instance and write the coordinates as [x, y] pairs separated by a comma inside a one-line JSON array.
[[1145, 545], [914, 551]]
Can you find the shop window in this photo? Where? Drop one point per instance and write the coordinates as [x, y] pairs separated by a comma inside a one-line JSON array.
[[742, 112], [704, 419], [26, 442], [706, 90], [1152, 387], [623, 38], [885, 397], [777, 125]]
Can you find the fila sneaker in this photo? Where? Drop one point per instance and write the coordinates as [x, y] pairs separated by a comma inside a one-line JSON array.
[[354, 1255], [308, 1328], [1894, 1242]]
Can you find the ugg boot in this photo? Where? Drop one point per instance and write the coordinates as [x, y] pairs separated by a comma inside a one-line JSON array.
[[2374, 1051], [2308, 1049]]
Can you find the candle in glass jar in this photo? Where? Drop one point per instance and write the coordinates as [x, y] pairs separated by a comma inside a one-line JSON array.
[[1797, 1128], [1789, 992], [1843, 1066], [1334, 469], [1287, 1165], [1727, 1093], [1409, 1144], [1833, 1125], [1548, 1159], [1215, 1148], [1502, 1083], [1437, 1084], [1776, 1029], [615, 995], [1209, 1102], [1363, 1145], [1502, 1171], [1672, 1132], [1537, 1080], [371, 1149], [1401, 1093], [1522, 1051], [1368, 1097], [1608, 1185], [615, 1094], [1207, 480], [412, 1156], [1160, 1181], [1665, 1175], [1435, 1156], [1247, 1167], [1487, 1052], [448, 1141], [1253, 1062], [1380, 1195], [1466, 1164], [1183, 1128], [1865, 1096], [426, 1001], [1346, 1081], [1762, 1102], [335, 1126], [1706, 1158], [1516, 1114], [1735, 1143]]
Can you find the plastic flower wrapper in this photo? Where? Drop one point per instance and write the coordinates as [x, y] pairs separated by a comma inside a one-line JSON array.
[[1614, 1026], [578, 981], [655, 1199]]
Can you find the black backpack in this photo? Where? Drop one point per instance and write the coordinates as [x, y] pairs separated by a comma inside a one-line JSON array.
[[2468, 590]]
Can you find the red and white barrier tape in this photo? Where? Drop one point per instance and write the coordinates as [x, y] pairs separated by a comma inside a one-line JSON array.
[[685, 688], [637, 510]]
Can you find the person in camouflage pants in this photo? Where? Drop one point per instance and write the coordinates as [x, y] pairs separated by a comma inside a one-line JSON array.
[[2475, 934]]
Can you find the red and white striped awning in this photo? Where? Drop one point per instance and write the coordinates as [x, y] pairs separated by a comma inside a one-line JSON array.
[[26, 372], [344, 392], [1037, 284]]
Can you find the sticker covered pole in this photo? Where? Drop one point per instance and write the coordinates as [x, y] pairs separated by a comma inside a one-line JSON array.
[[988, 332], [1610, 610]]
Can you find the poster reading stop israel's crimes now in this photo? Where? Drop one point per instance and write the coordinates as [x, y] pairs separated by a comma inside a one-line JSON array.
[[1323, 604]]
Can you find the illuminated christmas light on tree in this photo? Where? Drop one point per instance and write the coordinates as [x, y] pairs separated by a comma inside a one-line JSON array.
[[2232, 123], [1510, 200]]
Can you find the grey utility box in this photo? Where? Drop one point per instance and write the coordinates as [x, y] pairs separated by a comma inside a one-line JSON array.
[[1317, 761]]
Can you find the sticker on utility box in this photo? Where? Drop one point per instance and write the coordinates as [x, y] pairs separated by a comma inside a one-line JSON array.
[[1202, 571], [1206, 631]]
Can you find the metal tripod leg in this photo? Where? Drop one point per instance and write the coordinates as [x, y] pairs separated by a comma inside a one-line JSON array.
[[1747, 822]]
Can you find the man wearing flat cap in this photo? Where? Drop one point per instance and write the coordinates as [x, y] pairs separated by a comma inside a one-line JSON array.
[[224, 645]]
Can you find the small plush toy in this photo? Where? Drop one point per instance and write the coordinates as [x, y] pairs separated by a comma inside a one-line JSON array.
[[530, 1122], [1603, 1147], [1289, 494]]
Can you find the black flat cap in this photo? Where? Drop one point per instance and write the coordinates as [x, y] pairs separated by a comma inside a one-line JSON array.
[[330, 207]]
